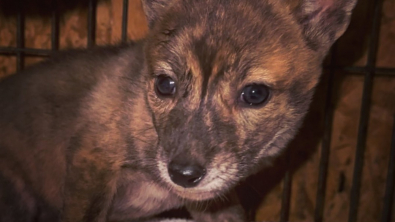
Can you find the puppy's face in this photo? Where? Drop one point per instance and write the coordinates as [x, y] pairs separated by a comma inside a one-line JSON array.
[[228, 84]]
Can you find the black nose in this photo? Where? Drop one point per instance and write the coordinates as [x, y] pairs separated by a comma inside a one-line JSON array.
[[185, 174]]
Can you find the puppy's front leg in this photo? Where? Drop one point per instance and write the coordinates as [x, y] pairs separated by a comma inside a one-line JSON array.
[[90, 187], [225, 210]]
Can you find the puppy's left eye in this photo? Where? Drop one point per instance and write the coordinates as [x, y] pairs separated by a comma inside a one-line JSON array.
[[255, 94], [165, 85]]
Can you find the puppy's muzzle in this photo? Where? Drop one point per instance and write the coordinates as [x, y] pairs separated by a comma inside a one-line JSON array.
[[185, 173]]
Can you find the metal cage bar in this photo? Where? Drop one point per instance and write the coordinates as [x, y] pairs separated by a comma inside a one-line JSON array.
[[125, 20], [390, 185], [364, 117], [378, 71], [286, 196], [12, 51], [20, 41], [91, 23], [326, 142], [54, 27]]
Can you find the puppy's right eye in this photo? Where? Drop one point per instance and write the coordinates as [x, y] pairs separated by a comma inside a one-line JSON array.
[[255, 94], [165, 85]]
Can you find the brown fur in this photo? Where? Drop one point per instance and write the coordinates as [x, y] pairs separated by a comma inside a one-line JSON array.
[[85, 136]]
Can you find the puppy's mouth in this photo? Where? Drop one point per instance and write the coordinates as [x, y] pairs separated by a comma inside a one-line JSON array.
[[197, 195]]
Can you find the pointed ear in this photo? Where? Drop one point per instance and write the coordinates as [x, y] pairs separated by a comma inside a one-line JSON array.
[[153, 9], [324, 21]]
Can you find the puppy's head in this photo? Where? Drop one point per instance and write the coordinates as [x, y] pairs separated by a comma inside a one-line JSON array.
[[229, 82]]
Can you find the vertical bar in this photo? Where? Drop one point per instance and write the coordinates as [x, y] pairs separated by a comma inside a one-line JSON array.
[[20, 40], [286, 197], [55, 27], [91, 23], [326, 142], [390, 185], [125, 20], [363, 121]]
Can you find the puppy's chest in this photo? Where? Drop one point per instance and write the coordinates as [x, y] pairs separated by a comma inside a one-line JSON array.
[[138, 196]]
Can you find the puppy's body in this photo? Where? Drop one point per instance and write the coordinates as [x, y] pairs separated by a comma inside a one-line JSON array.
[[120, 133]]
